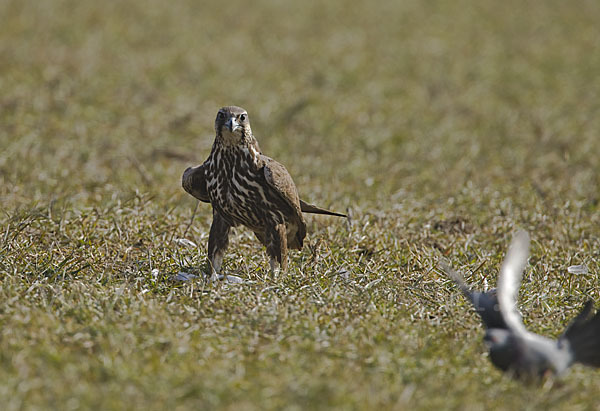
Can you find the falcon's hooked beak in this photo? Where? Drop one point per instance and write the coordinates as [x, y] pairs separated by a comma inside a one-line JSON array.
[[232, 124]]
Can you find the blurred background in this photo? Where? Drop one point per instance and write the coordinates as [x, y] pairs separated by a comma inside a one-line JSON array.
[[361, 102]]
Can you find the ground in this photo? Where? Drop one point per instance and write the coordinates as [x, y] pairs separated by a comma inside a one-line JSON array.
[[441, 126]]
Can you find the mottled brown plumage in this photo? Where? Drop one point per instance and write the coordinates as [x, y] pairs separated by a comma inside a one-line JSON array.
[[247, 188]]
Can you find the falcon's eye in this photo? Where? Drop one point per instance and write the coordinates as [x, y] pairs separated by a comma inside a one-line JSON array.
[[220, 115], [243, 117]]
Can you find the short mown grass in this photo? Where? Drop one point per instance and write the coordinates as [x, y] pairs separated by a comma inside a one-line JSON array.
[[441, 126]]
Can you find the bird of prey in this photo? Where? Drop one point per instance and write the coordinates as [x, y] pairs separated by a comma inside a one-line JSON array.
[[512, 347], [247, 188]]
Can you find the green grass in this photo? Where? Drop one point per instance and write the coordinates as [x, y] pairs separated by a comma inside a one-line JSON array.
[[442, 125]]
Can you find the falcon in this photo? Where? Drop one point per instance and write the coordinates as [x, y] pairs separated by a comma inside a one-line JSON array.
[[512, 347], [250, 189]]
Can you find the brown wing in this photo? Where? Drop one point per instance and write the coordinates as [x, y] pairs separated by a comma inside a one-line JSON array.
[[278, 178], [194, 182], [304, 206]]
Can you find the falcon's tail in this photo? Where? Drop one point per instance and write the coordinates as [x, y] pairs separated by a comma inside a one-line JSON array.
[[309, 208], [583, 334]]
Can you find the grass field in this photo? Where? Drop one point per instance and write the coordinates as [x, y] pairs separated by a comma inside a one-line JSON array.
[[442, 126]]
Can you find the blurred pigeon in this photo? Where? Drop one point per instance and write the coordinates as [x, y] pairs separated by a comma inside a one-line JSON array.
[[527, 355], [485, 303]]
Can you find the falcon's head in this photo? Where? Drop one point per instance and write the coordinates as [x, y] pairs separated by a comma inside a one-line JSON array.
[[232, 125]]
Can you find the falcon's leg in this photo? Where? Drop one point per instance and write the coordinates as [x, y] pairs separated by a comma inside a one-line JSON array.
[[277, 248], [218, 240]]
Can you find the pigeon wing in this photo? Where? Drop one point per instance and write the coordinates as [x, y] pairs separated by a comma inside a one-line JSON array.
[[583, 335], [485, 303], [509, 281]]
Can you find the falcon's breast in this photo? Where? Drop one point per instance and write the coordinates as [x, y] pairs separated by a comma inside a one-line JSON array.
[[236, 190]]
